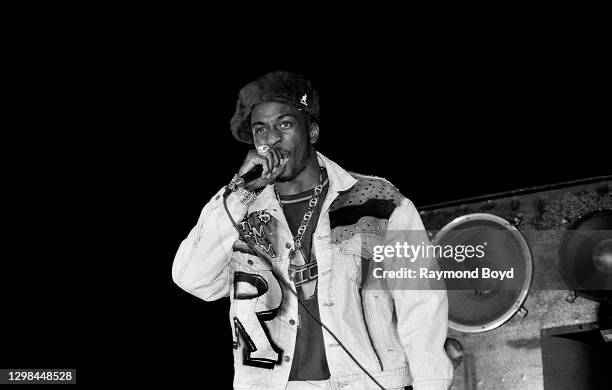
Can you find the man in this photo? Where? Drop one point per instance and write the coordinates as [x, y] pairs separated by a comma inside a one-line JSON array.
[[309, 226]]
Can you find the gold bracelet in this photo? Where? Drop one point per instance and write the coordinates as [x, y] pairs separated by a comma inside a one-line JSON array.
[[246, 197], [236, 182]]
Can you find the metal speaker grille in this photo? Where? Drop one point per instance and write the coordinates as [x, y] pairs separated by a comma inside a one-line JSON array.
[[488, 305], [586, 255]]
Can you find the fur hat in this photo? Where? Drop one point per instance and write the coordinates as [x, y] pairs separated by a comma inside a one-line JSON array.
[[279, 86]]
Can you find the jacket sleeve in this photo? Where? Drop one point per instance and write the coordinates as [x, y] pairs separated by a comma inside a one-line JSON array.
[[200, 266], [422, 308]]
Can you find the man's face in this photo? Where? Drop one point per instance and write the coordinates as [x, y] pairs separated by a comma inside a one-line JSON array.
[[287, 130]]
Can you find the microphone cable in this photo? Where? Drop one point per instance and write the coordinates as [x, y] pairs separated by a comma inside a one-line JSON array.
[[282, 281]]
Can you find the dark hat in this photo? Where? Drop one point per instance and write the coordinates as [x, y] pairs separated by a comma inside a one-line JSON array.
[[279, 86]]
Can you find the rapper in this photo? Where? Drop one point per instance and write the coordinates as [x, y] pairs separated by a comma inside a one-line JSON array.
[[290, 239]]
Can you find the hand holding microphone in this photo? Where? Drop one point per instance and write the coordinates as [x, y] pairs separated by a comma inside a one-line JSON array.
[[261, 167]]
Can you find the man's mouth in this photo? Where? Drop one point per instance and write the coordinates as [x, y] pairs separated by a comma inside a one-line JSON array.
[[284, 155]]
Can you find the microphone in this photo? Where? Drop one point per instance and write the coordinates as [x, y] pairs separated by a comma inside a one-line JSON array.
[[252, 174], [255, 172]]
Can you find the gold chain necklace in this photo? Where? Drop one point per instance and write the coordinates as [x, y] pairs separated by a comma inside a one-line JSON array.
[[297, 239]]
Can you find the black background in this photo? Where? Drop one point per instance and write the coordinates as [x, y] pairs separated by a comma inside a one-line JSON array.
[[132, 135]]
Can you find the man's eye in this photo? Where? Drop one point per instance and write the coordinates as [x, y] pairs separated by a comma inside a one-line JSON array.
[[259, 130], [286, 125]]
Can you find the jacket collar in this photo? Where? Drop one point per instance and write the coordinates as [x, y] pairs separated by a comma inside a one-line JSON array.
[[339, 180]]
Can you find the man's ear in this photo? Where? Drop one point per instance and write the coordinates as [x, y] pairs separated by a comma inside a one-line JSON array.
[[314, 133]]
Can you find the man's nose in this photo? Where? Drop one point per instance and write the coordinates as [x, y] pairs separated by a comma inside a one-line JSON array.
[[274, 136]]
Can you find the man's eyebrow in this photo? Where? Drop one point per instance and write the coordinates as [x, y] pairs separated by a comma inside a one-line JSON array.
[[276, 118]]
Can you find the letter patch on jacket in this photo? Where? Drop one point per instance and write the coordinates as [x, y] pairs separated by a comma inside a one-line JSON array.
[[257, 227], [260, 295]]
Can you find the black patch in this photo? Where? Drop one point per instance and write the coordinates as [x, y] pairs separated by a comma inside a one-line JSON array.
[[262, 316], [349, 215], [253, 279], [249, 347]]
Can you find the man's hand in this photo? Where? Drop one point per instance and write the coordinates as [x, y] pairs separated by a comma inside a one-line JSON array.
[[273, 165]]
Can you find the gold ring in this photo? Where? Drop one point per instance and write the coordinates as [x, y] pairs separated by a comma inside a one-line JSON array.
[[263, 150]]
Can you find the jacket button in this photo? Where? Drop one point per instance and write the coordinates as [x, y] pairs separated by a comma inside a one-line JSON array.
[[250, 262], [288, 245], [287, 358], [292, 322]]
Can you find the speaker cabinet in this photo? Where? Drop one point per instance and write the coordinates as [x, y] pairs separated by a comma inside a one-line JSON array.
[[508, 353], [577, 357]]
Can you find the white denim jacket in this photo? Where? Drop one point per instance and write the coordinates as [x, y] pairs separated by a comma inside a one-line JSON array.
[[397, 334]]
